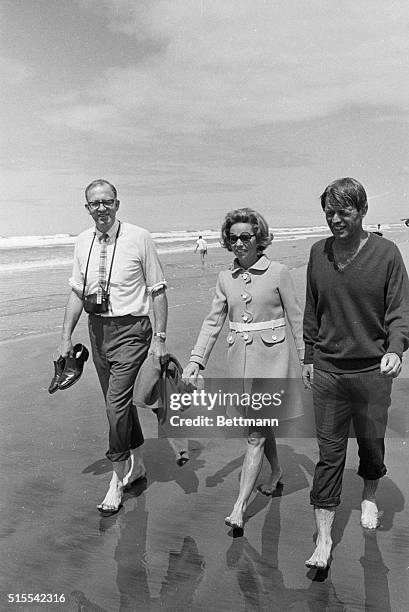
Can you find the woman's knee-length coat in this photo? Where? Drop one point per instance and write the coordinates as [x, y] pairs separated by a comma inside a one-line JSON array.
[[263, 292]]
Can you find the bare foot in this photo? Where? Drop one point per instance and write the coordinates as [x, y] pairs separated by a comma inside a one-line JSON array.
[[369, 514], [269, 487], [321, 555], [112, 501], [236, 518], [136, 471]]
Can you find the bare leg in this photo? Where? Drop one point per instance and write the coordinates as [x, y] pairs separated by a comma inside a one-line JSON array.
[[320, 557], [251, 468], [270, 451], [369, 509], [136, 468], [113, 498]]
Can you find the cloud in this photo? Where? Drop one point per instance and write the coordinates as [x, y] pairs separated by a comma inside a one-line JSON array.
[[189, 186], [14, 73], [238, 64], [83, 117]]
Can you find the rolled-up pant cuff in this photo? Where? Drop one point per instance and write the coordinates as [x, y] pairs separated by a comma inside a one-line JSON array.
[[124, 434], [373, 474], [329, 503], [122, 456]]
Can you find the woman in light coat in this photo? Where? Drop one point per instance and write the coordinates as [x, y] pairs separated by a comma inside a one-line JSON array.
[[258, 296]]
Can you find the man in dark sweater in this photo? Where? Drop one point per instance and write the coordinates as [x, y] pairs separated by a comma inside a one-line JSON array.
[[356, 327]]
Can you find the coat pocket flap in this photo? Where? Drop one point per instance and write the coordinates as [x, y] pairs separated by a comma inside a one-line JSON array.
[[273, 336]]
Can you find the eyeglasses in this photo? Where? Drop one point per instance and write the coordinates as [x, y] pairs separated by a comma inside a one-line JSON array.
[[244, 237], [97, 203]]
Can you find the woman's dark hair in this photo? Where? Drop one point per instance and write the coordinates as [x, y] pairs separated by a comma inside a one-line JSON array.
[[247, 215]]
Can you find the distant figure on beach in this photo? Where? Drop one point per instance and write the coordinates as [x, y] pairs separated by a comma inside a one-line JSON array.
[[115, 276], [201, 244], [378, 232], [255, 293], [356, 327], [406, 221]]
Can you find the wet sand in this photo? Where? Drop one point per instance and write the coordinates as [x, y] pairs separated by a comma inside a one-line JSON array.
[[168, 548]]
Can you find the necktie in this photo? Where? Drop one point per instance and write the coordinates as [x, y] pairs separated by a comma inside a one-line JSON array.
[[102, 272]]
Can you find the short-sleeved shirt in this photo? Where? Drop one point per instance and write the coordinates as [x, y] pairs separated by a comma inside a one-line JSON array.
[[202, 244], [136, 269]]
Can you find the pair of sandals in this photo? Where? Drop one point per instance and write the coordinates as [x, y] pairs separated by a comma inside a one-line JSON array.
[[68, 370]]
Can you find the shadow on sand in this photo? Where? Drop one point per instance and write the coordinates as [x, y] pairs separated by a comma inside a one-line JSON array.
[[260, 582]]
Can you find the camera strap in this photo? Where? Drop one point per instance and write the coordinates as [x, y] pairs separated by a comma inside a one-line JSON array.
[[110, 267]]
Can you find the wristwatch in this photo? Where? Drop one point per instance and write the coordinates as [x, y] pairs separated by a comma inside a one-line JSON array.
[[161, 335]]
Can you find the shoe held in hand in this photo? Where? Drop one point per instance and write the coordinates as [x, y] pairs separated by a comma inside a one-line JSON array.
[[73, 367], [58, 370]]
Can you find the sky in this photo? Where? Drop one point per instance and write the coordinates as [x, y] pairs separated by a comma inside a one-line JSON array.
[[195, 107]]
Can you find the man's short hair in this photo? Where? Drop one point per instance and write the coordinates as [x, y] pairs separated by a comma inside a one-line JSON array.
[[345, 192], [247, 215], [98, 182]]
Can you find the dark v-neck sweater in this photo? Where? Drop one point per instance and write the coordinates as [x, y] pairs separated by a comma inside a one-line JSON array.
[[354, 316]]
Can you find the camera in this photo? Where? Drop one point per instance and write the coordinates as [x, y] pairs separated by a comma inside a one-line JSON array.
[[91, 305]]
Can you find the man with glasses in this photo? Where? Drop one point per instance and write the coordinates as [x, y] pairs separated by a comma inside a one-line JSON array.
[[116, 273], [356, 327]]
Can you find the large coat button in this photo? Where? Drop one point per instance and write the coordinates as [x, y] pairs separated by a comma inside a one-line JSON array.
[[247, 338]]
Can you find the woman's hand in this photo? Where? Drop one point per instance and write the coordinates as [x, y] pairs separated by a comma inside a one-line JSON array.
[[191, 372], [308, 375]]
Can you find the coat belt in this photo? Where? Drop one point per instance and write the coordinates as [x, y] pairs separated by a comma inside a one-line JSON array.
[[243, 327]]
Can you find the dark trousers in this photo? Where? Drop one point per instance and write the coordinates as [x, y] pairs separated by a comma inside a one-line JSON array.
[[364, 399], [119, 346]]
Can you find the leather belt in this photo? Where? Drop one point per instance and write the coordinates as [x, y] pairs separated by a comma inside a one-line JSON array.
[[244, 327]]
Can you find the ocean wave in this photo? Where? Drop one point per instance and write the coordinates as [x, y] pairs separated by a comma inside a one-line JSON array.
[[16, 266], [16, 242], [166, 243], [32, 265]]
